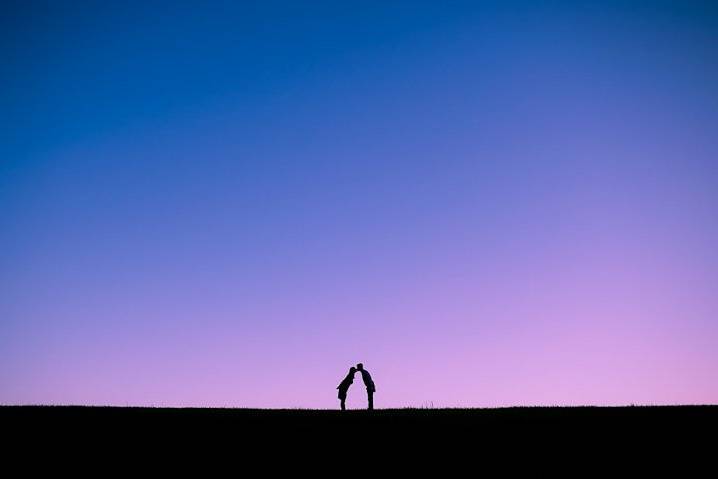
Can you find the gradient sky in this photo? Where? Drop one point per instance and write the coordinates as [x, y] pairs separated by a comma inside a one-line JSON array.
[[487, 203]]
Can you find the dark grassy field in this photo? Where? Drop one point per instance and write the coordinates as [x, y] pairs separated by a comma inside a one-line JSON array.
[[675, 439], [621, 424]]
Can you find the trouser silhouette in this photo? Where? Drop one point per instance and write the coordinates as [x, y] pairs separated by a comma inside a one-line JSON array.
[[343, 399], [370, 398]]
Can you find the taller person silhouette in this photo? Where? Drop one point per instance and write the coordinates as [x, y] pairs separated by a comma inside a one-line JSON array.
[[369, 383]]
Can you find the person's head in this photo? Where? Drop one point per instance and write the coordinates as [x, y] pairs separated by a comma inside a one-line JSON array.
[[360, 367], [352, 370]]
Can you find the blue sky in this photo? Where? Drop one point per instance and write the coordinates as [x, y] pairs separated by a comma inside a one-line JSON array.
[[198, 198]]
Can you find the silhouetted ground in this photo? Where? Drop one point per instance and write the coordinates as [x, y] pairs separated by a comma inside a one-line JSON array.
[[571, 432], [581, 420]]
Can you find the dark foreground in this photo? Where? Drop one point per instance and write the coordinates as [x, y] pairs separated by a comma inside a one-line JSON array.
[[639, 421], [574, 431]]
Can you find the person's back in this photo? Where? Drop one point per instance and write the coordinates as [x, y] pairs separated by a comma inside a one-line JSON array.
[[347, 381], [368, 382]]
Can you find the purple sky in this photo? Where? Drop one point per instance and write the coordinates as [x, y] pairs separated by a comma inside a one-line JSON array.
[[488, 204]]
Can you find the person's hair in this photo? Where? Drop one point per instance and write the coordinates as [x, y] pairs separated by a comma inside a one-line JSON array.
[[360, 366]]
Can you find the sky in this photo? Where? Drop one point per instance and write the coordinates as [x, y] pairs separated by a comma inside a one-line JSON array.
[[487, 203]]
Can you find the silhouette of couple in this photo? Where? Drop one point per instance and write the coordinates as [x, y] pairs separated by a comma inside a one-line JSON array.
[[347, 381]]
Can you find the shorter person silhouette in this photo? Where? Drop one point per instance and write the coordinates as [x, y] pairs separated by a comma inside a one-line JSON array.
[[369, 383], [344, 386]]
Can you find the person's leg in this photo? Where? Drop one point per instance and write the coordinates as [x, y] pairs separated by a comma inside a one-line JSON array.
[[370, 397], [343, 405]]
